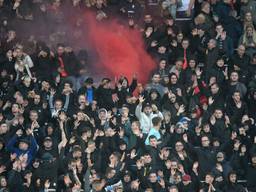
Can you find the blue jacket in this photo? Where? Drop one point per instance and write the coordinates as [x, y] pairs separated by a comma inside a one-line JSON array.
[[31, 151]]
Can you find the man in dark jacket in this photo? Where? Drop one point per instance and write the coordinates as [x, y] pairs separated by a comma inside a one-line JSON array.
[[232, 185], [235, 85], [88, 90], [45, 62], [68, 64], [187, 185], [219, 70], [104, 94], [236, 108], [15, 179], [209, 184], [240, 62], [251, 174], [224, 42], [216, 99], [206, 154], [211, 54]]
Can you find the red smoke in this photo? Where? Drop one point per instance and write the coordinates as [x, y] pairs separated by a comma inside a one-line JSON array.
[[119, 49]]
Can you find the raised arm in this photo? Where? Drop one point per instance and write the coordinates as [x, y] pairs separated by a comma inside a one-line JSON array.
[[139, 108], [64, 140], [65, 108], [52, 92], [133, 84], [33, 143]]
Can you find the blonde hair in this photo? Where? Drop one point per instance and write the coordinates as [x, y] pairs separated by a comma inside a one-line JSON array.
[[245, 40]]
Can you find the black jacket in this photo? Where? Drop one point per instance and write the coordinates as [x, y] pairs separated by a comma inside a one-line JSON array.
[[250, 176], [104, 98], [45, 66], [233, 187]]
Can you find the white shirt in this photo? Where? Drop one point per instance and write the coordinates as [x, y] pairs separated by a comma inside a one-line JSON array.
[[185, 5], [145, 120]]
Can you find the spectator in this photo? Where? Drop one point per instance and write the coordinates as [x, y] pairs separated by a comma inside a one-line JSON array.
[[248, 39], [145, 117], [232, 183]]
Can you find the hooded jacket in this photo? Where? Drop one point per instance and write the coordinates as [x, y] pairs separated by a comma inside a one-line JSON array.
[[146, 120]]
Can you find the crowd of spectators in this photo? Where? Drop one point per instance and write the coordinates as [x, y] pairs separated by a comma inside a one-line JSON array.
[[191, 128]]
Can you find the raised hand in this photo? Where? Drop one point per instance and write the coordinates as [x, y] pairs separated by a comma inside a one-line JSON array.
[[181, 109], [198, 72], [210, 100], [227, 120], [162, 183], [225, 73], [139, 164], [13, 156], [115, 98], [185, 138], [154, 43], [133, 154], [213, 120], [161, 155], [29, 131], [141, 99]]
